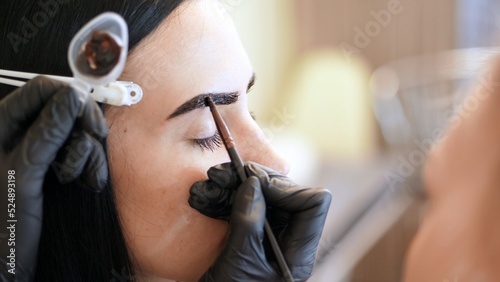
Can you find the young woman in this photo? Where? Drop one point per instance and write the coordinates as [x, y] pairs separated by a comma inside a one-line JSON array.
[[140, 226]]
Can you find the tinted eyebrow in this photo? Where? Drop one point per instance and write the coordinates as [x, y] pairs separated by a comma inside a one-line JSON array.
[[218, 98], [251, 82], [199, 102]]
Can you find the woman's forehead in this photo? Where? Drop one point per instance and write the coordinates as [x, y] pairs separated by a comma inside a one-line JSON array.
[[195, 40]]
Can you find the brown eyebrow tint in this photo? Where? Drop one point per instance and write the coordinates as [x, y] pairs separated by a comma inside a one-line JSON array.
[[199, 102]]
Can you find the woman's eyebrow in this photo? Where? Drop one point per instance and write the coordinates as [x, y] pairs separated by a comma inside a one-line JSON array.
[[218, 98], [251, 82], [199, 102]]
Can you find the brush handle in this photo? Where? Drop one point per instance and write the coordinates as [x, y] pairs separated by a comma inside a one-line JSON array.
[[237, 163], [287, 275], [240, 169]]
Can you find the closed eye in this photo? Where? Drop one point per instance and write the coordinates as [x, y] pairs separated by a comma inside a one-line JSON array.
[[210, 143]]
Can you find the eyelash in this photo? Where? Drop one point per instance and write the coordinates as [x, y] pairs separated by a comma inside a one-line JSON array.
[[210, 143], [214, 142]]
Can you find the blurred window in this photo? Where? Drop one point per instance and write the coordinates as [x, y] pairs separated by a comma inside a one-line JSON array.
[[478, 23]]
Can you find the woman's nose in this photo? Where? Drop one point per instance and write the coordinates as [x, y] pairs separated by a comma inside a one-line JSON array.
[[254, 146]]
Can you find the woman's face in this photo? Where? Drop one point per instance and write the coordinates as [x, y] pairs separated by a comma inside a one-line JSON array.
[[155, 155]]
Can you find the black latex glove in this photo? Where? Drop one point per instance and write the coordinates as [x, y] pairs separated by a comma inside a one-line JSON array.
[[39, 128], [296, 215]]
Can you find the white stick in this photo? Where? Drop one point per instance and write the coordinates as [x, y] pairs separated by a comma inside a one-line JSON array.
[[18, 74], [29, 75], [12, 82]]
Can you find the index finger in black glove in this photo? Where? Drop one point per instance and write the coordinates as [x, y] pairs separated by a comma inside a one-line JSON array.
[[83, 160], [82, 157], [20, 108], [243, 258], [213, 197]]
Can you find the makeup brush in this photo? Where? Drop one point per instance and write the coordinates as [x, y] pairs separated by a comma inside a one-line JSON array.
[[239, 165]]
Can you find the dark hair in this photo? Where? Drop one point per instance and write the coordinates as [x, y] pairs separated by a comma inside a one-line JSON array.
[[81, 239]]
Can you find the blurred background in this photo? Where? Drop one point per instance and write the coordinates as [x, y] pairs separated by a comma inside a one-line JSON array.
[[354, 93]]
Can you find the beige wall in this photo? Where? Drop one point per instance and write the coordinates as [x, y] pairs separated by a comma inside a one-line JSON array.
[[278, 33], [275, 32], [267, 29], [415, 26]]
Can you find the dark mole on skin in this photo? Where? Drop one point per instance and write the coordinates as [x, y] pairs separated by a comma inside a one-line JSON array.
[[199, 102], [99, 55]]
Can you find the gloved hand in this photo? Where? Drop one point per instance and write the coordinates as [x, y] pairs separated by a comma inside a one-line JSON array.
[[295, 213], [36, 122]]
